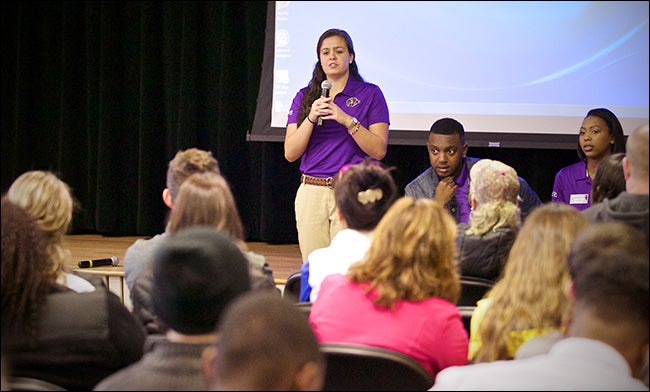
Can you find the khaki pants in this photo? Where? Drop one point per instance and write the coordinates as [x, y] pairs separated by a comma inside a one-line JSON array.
[[317, 218]]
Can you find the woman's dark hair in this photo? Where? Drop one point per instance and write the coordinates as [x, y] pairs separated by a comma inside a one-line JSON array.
[[609, 180], [27, 277], [363, 193], [314, 88], [615, 130]]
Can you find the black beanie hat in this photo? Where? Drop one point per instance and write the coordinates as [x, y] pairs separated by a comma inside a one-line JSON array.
[[197, 271]]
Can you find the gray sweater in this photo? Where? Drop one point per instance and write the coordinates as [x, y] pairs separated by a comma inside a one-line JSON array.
[[166, 366]]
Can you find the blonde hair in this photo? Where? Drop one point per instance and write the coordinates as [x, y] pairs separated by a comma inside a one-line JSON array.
[[495, 186], [412, 255], [49, 200], [206, 199], [530, 294]]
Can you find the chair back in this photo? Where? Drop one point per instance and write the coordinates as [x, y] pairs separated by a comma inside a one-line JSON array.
[[466, 315], [292, 287], [305, 307], [473, 289], [355, 367], [32, 384]]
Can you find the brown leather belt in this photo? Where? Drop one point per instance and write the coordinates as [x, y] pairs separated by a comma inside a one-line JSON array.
[[318, 181]]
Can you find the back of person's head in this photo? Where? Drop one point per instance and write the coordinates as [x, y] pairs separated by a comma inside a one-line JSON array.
[[265, 344], [412, 255], [27, 276], [196, 273], [637, 153], [50, 201], [530, 292], [604, 237], [187, 162], [363, 192], [615, 130], [448, 126], [495, 187], [206, 199], [609, 180], [611, 302]]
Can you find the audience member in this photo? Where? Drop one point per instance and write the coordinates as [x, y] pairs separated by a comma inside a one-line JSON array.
[[327, 131], [49, 331], [601, 134], [203, 199], [606, 342], [595, 238], [609, 179], [249, 358], [447, 180], [528, 300], [363, 192], [197, 271], [50, 201], [402, 296], [630, 206], [185, 163], [485, 242]]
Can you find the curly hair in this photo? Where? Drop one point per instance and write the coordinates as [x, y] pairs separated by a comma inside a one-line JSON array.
[[186, 163], [495, 187], [530, 294], [412, 255], [26, 280], [48, 199]]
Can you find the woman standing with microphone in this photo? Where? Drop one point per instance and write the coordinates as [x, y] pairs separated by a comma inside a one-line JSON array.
[[330, 125]]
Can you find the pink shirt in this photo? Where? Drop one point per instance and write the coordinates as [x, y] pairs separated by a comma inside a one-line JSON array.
[[430, 330]]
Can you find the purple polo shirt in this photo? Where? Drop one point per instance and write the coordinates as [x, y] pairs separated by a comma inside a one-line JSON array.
[[330, 145], [572, 186], [462, 195]]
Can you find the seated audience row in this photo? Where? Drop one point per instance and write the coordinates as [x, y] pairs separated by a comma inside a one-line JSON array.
[[204, 199], [605, 343], [401, 293]]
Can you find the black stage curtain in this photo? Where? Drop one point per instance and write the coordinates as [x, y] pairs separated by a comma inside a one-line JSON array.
[[105, 93]]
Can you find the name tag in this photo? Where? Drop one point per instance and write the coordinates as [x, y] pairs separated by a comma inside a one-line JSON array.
[[582, 198]]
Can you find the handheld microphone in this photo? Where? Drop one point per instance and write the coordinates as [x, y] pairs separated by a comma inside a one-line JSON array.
[[112, 261], [325, 86]]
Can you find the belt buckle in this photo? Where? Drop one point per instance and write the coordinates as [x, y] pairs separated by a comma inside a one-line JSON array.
[[328, 182]]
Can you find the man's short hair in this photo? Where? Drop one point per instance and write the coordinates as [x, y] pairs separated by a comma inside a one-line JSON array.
[[448, 126]]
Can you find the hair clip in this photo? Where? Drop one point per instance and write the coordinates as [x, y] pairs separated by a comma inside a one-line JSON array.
[[369, 196]]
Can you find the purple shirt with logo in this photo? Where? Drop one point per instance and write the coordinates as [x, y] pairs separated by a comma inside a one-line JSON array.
[[330, 145], [572, 186]]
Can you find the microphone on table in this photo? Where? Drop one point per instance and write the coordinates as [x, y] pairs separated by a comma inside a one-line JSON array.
[[112, 261], [325, 86]]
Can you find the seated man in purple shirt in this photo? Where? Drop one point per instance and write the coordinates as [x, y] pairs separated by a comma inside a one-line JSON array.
[[447, 180]]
